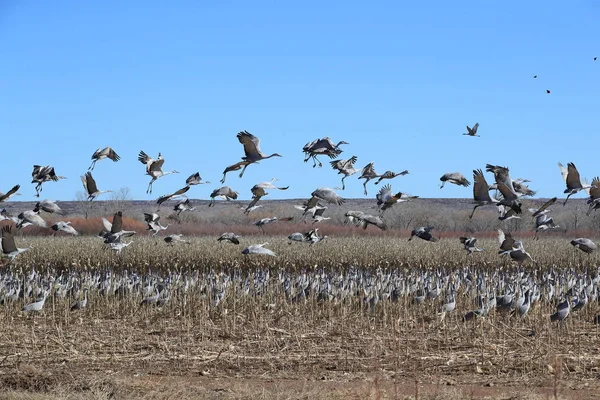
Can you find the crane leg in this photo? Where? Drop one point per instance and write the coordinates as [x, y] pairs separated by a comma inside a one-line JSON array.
[[149, 190], [473, 212], [243, 170]]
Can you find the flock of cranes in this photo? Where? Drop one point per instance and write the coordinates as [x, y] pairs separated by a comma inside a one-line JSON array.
[[508, 197], [508, 294], [516, 295]]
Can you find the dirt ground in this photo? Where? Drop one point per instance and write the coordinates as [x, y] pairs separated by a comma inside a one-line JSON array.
[[151, 354]]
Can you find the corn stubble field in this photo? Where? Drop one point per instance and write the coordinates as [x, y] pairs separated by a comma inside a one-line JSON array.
[[228, 330], [333, 320]]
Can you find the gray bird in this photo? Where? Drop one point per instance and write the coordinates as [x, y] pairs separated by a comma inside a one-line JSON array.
[[101, 154], [229, 237], [423, 233], [472, 131], [456, 178], [258, 249], [585, 245], [572, 180], [154, 168]]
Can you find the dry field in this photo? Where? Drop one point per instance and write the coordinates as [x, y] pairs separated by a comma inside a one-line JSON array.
[[228, 330]]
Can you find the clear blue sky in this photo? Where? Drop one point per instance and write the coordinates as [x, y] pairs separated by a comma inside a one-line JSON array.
[[399, 81]]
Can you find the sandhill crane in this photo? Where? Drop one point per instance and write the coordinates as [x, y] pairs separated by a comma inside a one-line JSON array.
[[390, 175], [472, 131], [235, 167], [49, 206], [504, 184], [248, 209], [321, 146], [454, 177], [481, 194], [363, 220], [154, 168], [195, 179], [477, 313], [183, 205], [114, 230], [505, 241], [368, 173], [224, 192], [353, 217], [470, 244], [562, 310], [316, 210], [229, 237], [38, 304], [506, 213], [259, 190], [153, 221], [81, 303], [65, 227], [325, 194], [520, 187], [344, 167], [177, 193], [264, 221], [12, 192], [9, 248], [314, 237], [42, 174], [89, 185], [523, 308], [118, 247], [386, 199], [544, 208], [585, 245], [31, 217], [423, 233], [252, 150], [317, 215], [544, 222], [311, 236], [594, 193], [572, 180], [174, 238], [518, 253], [6, 216], [258, 249], [101, 154], [298, 237]]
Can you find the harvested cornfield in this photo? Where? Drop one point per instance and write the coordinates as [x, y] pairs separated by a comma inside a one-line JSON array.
[[373, 313]]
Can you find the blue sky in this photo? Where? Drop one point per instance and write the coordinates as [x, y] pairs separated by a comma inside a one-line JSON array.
[[399, 81]]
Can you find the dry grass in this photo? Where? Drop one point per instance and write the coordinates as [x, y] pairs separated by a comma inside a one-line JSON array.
[[259, 347]]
